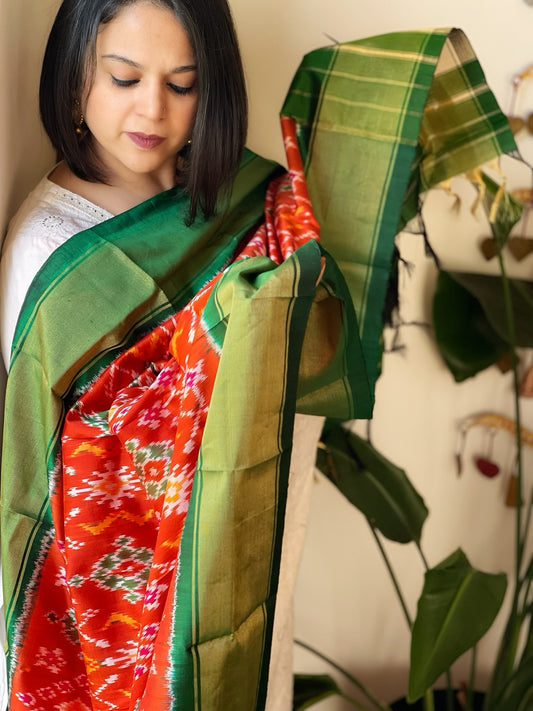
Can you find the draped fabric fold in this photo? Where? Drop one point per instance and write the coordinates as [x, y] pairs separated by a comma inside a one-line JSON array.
[[156, 370]]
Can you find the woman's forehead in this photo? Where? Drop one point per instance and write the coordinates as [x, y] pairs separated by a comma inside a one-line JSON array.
[[146, 33]]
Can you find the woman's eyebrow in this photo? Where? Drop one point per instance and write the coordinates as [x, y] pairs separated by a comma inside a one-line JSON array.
[[131, 63]]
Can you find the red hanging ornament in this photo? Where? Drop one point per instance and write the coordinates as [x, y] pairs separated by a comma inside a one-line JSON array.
[[486, 467]]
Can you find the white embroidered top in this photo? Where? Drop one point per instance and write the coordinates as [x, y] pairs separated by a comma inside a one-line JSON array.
[[47, 218]]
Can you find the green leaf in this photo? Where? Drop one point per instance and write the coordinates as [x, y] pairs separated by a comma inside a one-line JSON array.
[[457, 606], [373, 484], [517, 694], [488, 290], [309, 689], [465, 338], [470, 321], [508, 213]]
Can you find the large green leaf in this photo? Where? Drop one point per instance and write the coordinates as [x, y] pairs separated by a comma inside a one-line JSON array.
[[488, 290], [466, 340], [457, 606], [309, 689], [376, 486]]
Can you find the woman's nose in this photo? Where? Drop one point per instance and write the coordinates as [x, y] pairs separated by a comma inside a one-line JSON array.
[[152, 101]]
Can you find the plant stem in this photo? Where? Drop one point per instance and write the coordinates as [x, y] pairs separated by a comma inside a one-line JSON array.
[[525, 599], [519, 544], [471, 681], [362, 688], [449, 691], [509, 645], [424, 561], [429, 703], [528, 517], [393, 576], [356, 704]]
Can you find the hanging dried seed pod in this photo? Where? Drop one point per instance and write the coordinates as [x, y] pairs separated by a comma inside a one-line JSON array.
[[511, 498], [526, 386], [516, 124], [522, 194]]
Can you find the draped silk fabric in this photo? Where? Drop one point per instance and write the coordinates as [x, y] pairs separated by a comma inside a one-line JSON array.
[[157, 368]]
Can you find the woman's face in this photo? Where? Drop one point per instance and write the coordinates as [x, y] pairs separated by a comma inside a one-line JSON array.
[[141, 106]]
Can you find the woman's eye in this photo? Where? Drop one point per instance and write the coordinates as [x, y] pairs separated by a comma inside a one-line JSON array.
[[180, 89], [123, 82]]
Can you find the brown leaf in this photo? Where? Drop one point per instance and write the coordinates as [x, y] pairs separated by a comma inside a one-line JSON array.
[[520, 247]]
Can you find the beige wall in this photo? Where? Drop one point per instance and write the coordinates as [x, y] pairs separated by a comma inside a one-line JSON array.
[[344, 605], [24, 153]]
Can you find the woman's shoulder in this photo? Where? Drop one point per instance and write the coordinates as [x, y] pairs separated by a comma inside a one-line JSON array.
[[49, 216]]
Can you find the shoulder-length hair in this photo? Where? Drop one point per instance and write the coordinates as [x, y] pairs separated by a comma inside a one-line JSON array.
[[212, 158]]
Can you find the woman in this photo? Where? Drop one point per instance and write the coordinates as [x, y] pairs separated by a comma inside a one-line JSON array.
[[200, 110], [138, 98]]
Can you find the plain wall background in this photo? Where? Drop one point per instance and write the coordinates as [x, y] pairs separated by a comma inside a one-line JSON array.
[[344, 603]]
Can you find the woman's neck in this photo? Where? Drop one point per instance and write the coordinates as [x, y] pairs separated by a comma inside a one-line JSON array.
[[112, 198]]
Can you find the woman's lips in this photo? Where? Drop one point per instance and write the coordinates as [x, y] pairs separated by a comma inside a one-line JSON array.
[[144, 140]]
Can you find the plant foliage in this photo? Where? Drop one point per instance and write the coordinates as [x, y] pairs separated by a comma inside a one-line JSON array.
[[477, 320], [373, 484], [457, 606]]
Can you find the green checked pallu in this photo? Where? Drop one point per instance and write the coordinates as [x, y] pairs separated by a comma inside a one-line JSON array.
[[157, 368]]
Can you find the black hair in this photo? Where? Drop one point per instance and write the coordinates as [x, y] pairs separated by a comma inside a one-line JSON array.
[[212, 158]]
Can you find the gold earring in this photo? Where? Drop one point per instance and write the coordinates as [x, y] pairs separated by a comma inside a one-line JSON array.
[[79, 121]]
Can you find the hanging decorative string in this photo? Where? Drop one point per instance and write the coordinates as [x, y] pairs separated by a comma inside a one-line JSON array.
[[492, 422]]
